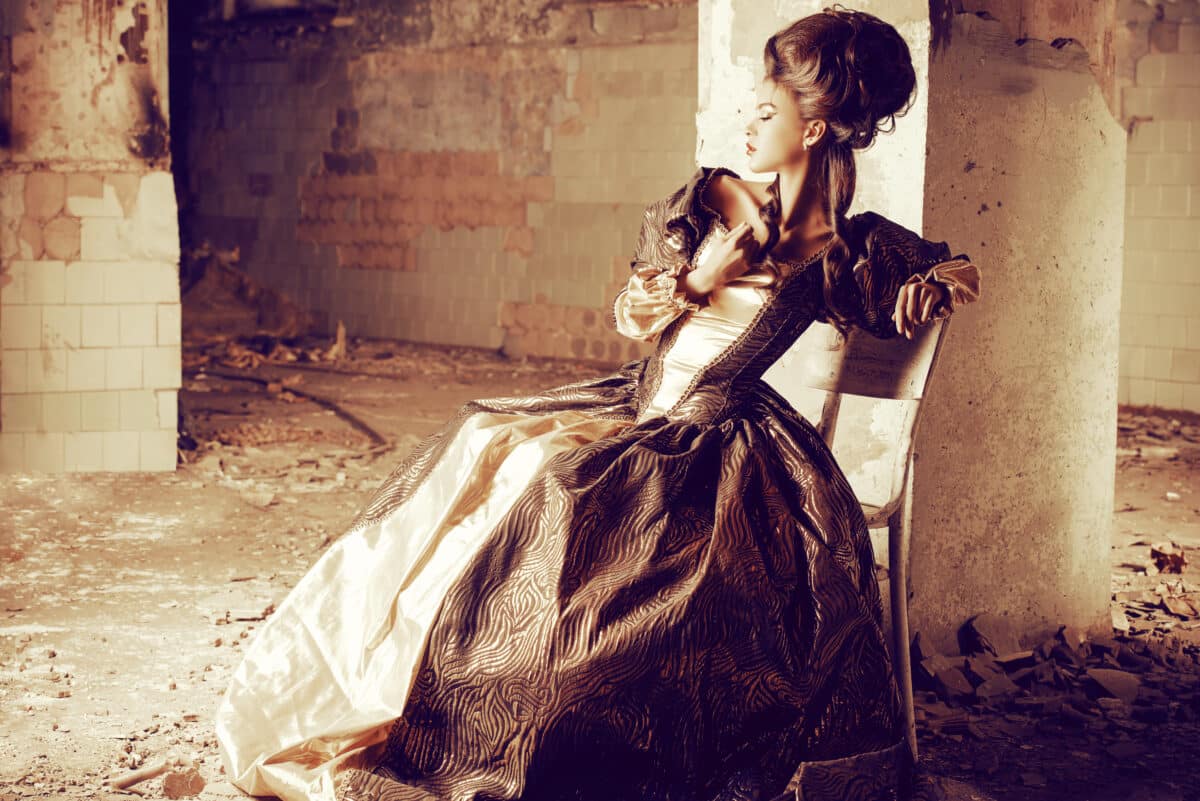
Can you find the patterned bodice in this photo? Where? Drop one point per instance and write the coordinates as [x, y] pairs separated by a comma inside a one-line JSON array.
[[729, 343]]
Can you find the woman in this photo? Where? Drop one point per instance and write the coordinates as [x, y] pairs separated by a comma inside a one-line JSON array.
[[652, 585]]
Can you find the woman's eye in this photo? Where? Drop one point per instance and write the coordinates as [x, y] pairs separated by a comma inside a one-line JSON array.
[[765, 117]]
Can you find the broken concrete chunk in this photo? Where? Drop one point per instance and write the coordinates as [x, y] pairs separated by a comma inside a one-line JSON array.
[[996, 688], [952, 684], [980, 669], [183, 784], [1115, 683], [1016, 659], [988, 633]]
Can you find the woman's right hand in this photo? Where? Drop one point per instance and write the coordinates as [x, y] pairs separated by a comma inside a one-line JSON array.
[[727, 257]]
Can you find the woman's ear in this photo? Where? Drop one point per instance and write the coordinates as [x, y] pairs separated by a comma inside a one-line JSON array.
[[814, 132]]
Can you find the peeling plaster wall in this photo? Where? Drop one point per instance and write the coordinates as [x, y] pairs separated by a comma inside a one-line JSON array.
[[1160, 295], [1016, 454], [1011, 155], [460, 173], [89, 243]]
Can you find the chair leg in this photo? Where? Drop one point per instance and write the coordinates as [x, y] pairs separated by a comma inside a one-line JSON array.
[[898, 537]]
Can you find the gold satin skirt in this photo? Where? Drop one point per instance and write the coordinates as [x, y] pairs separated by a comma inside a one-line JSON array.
[[550, 599]]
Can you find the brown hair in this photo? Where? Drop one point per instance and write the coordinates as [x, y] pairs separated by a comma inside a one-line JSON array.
[[854, 71]]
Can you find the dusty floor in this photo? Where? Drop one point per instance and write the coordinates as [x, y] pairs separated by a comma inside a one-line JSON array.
[[126, 600]]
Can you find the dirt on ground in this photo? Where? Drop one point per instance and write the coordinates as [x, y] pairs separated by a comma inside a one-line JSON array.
[[126, 600]]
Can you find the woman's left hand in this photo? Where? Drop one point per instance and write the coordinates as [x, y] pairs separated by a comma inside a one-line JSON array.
[[915, 304]]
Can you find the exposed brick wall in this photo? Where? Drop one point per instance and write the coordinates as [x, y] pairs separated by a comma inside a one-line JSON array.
[[1160, 302], [476, 183]]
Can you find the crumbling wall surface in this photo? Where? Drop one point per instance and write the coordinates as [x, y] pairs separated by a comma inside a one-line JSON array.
[[89, 247], [1013, 486], [1160, 294], [462, 173]]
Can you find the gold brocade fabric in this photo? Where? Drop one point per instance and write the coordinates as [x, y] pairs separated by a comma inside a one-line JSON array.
[[653, 585], [331, 668]]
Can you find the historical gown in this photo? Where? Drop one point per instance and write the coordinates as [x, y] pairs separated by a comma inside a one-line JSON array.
[[656, 585]]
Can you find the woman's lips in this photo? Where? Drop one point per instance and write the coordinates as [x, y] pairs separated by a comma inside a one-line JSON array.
[[749, 148]]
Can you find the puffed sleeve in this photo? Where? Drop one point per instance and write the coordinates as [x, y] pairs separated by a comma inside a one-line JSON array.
[[894, 257], [654, 295]]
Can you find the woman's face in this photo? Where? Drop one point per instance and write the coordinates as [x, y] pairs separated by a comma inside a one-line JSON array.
[[775, 135]]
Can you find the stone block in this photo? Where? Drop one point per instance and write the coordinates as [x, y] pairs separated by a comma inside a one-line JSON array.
[[100, 411], [122, 451], [60, 327], [163, 368], [139, 324], [105, 204], [139, 410], [169, 324], [1173, 201], [1151, 70], [1185, 365], [30, 242], [21, 327], [20, 413], [123, 368], [157, 452], [45, 452], [1175, 135], [1179, 69], [85, 369], [100, 326], [40, 281], [1189, 37], [60, 411], [61, 238], [85, 185], [13, 371], [47, 370], [168, 408], [12, 283], [83, 451], [85, 282], [154, 224], [103, 239], [126, 185], [1168, 395], [12, 452], [1191, 397], [161, 281], [45, 193]]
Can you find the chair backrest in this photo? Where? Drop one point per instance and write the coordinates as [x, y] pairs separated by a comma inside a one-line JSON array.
[[861, 364]]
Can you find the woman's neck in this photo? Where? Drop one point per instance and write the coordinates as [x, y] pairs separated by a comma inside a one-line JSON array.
[[802, 208]]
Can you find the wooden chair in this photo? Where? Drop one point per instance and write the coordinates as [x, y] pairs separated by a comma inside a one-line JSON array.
[[895, 369]]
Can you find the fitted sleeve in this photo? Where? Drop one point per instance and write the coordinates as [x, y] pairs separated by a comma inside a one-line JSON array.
[[896, 257], [653, 296]]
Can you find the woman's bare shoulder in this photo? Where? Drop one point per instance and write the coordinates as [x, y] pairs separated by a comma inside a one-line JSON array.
[[734, 197]]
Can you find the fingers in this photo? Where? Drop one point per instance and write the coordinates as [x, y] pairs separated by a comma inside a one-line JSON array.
[[911, 309], [901, 314], [927, 307]]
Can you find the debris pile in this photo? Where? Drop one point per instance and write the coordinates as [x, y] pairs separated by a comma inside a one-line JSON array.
[[219, 298], [1113, 687], [1140, 430]]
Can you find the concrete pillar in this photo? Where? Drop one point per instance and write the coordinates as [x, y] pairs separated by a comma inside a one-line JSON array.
[[89, 242], [1011, 155]]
